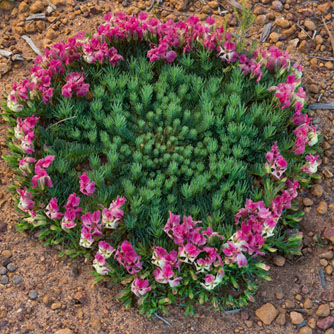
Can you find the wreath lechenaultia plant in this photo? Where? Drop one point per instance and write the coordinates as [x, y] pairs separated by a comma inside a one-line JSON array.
[[117, 134]]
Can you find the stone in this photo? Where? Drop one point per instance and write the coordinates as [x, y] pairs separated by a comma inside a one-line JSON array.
[[329, 65], [3, 227], [311, 323], [307, 202], [58, 2], [96, 324], [279, 295], [305, 330], [37, 7], [308, 303], [296, 318], [329, 331], [249, 323], [55, 306], [7, 254], [328, 296], [3, 270], [323, 310], [289, 304], [313, 88], [323, 262], [64, 331], [325, 323], [267, 313], [277, 6], [302, 46], [324, 8], [326, 255], [281, 319], [329, 270], [4, 279], [261, 20], [279, 261], [329, 234], [318, 40], [310, 25], [213, 4], [11, 267], [282, 22], [17, 279], [51, 34], [274, 37], [40, 25], [23, 7], [6, 5], [322, 208], [33, 294], [318, 190]]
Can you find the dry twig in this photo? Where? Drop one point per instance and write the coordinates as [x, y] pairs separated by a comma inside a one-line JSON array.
[[329, 34], [32, 44]]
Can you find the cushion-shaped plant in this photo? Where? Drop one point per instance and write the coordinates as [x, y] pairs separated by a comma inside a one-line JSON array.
[[167, 153]]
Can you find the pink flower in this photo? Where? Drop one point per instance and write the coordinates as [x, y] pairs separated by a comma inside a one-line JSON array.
[[210, 21], [26, 203], [161, 257], [68, 220], [311, 165], [128, 258], [86, 238], [41, 178], [165, 274], [140, 287], [45, 162], [112, 216], [73, 202], [25, 165], [277, 164], [51, 209], [105, 249], [86, 187], [75, 84], [234, 254], [188, 253], [99, 264], [211, 281], [91, 222]]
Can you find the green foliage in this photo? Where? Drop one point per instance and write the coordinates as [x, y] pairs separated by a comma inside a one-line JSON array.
[[179, 139]]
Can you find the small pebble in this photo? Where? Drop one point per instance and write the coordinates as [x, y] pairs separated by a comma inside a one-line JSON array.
[[4, 279], [17, 279], [3, 270], [33, 294], [11, 267]]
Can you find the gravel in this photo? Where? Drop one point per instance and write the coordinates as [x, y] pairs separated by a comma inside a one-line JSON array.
[[33, 294], [17, 279], [4, 279], [11, 267]]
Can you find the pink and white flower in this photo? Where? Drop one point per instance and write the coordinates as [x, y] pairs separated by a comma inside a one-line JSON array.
[[105, 249], [128, 258], [112, 216], [52, 210], [277, 164], [99, 264], [312, 164], [211, 281], [87, 187], [140, 287], [26, 203]]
